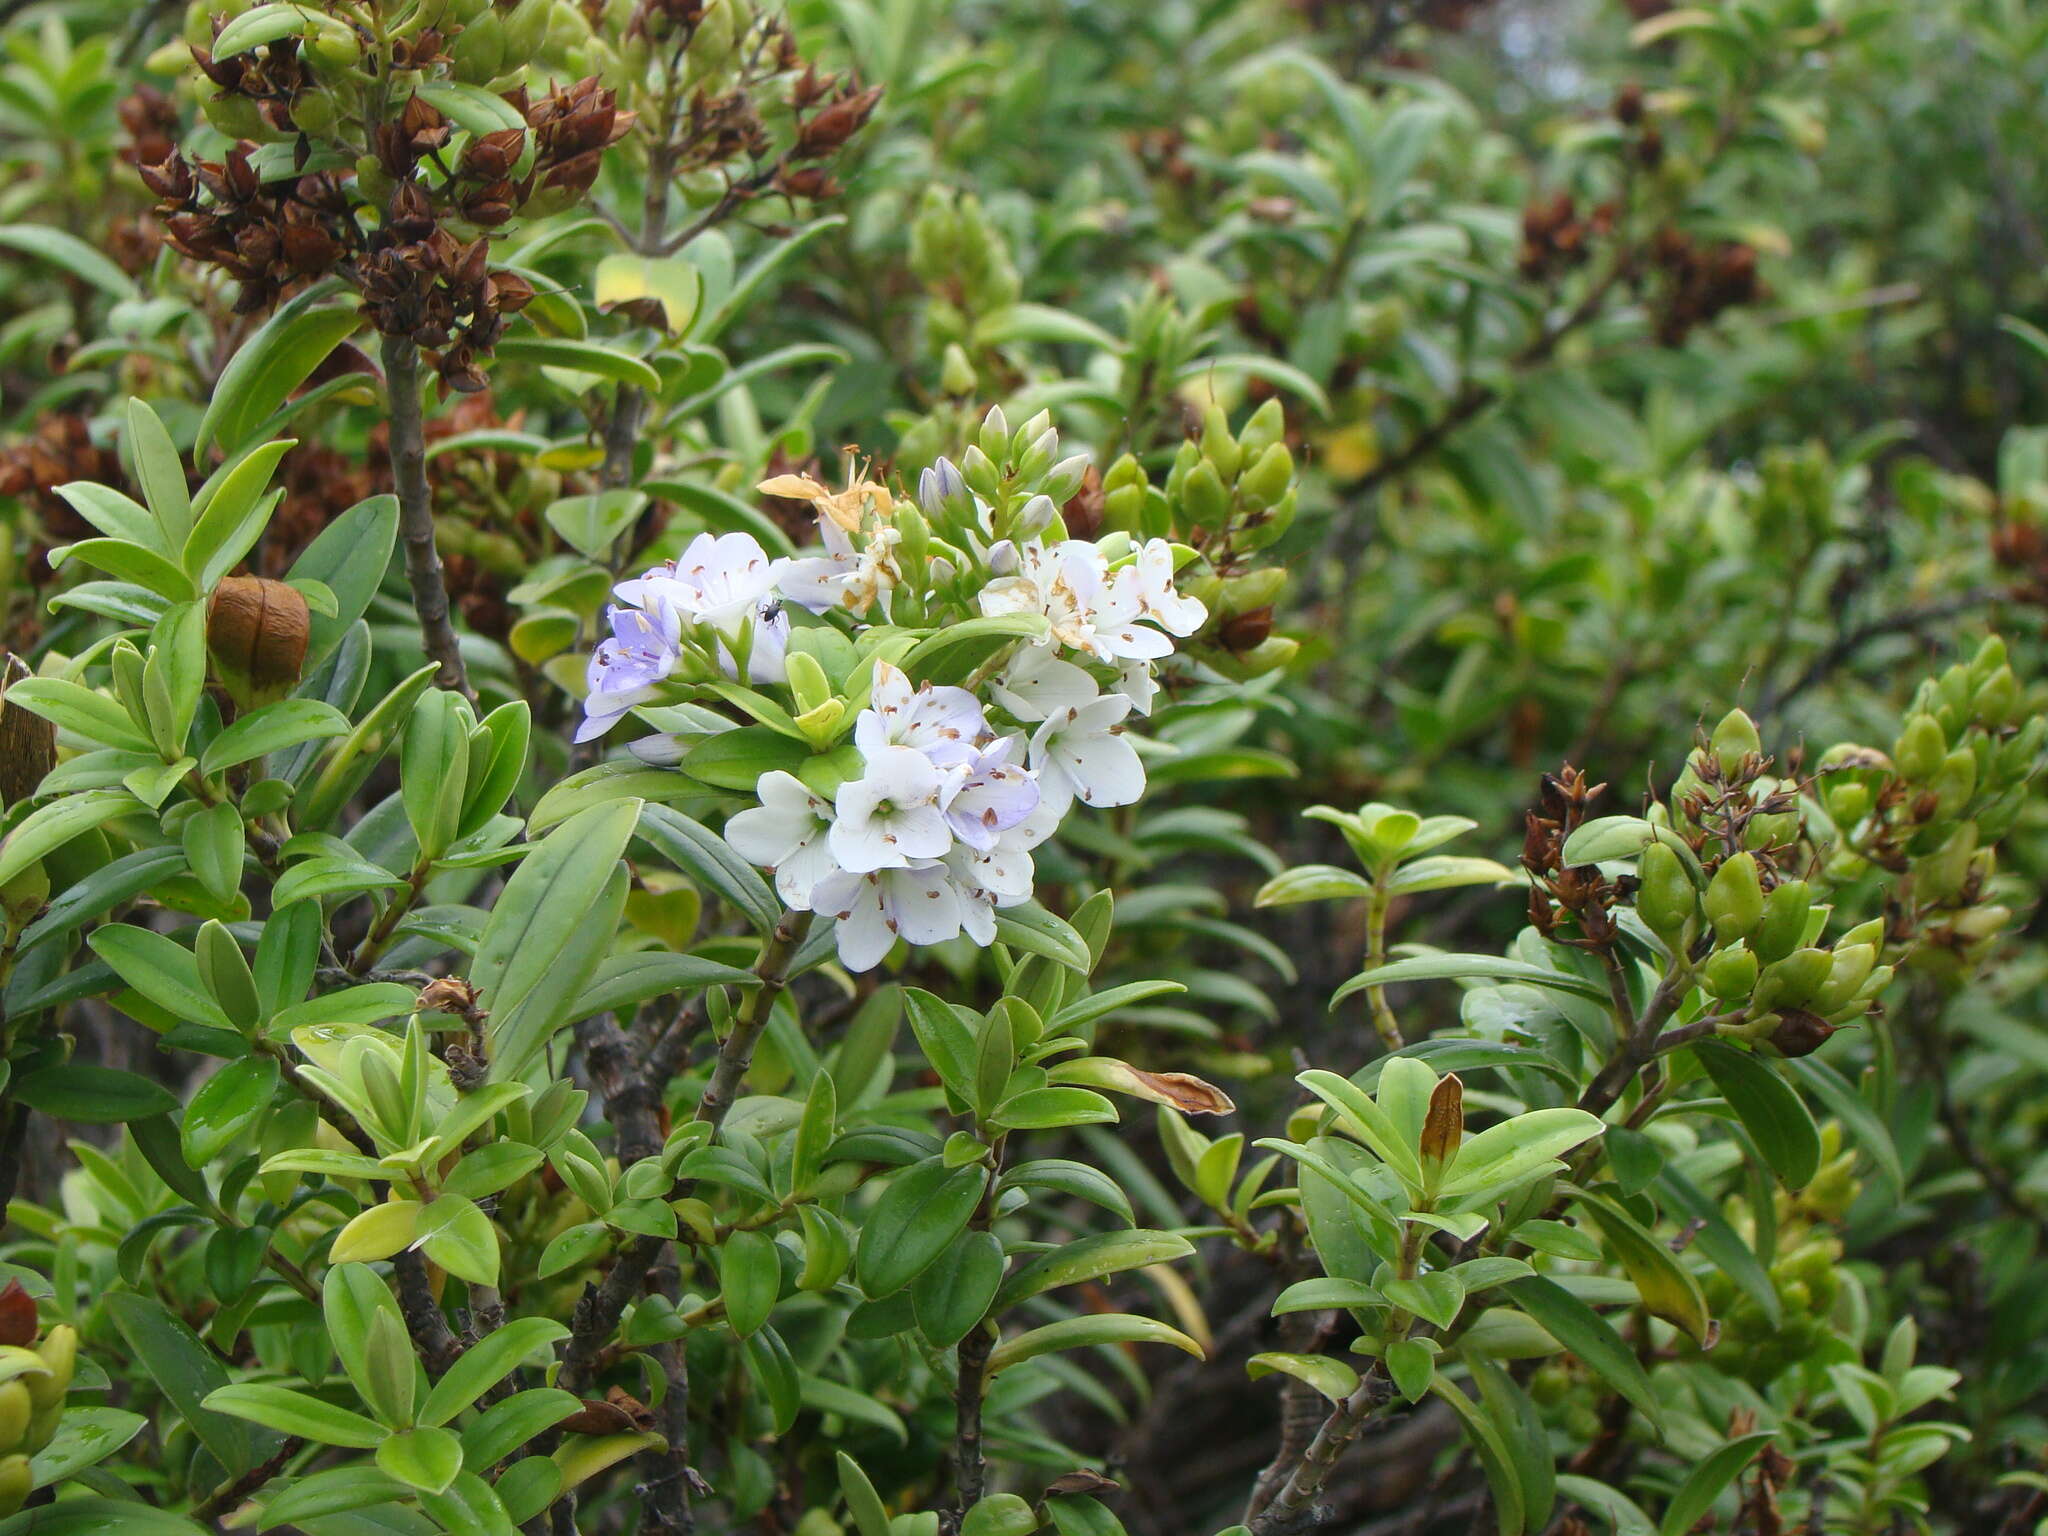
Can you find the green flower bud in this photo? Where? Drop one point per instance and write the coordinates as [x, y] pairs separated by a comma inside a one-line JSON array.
[[1203, 499], [1735, 738], [1259, 530], [1981, 923], [1793, 981], [1940, 875], [1954, 782], [16, 1484], [1269, 655], [1730, 974], [1265, 430], [15, 1409], [59, 1350], [1871, 932], [1218, 446], [1996, 698], [1784, 922], [956, 374], [1735, 898], [1848, 804], [1852, 967], [1989, 660], [1268, 478], [1665, 899], [1920, 748], [1252, 590], [478, 51]]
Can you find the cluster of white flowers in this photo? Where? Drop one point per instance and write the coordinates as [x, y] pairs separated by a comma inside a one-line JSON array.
[[935, 833]]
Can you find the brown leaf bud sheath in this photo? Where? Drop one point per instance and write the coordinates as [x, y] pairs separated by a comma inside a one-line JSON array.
[[1444, 1127], [257, 629], [1800, 1033], [28, 743]]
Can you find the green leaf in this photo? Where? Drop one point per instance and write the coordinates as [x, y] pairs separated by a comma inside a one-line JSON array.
[[1029, 927], [1505, 1155], [955, 651], [98, 1517], [505, 1426], [622, 278], [44, 830], [72, 707], [85, 1436], [226, 1108], [1477, 967], [749, 1278], [272, 728], [958, 1289], [1716, 1239], [271, 364], [423, 1458], [1703, 1485], [130, 562], [533, 925], [83, 261], [350, 555], [1586, 1334], [1667, 1288], [458, 1236], [1495, 1459], [703, 855], [333, 1492], [1773, 1114], [1333, 1378], [185, 1371], [485, 1363], [582, 357], [1612, 1505], [925, 1208], [870, 1516], [1079, 1332], [90, 1095], [296, 1413], [1090, 1258], [228, 523], [1312, 882]]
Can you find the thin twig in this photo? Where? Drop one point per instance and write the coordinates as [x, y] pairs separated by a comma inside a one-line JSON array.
[[416, 514]]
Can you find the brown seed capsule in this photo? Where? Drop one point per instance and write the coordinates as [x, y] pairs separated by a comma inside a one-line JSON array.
[[1800, 1033], [17, 1315], [28, 743], [257, 630]]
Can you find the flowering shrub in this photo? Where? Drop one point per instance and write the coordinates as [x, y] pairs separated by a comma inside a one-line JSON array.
[[894, 825]]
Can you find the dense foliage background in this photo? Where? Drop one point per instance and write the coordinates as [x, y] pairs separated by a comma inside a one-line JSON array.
[[1544, 499]]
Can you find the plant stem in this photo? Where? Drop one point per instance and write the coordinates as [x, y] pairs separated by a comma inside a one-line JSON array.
[[1383, 1021], [416, 514], [602, 1306]]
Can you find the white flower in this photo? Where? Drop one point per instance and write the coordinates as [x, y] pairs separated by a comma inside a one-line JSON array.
[[1081, 754], [1149, 582], [999, 876], [728, 582], [1136, 683], [845, 577], [891, 814], [1037, 684], [787, 832], [992, 795], [1065, 582], [946, 725], [874, 909]]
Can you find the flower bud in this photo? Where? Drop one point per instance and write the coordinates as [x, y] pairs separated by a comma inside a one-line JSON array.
[[1848, 804], [1034, 517], [1852, 966], [1730, 974], [1793, 981], [1251, 591], [1920, 749], [15, 1409], [59, 1350], [1734, 739], [994, 437], [1218, 446], [15, 1483], [1268, 478], [1665, 899], [1735, 898], [980, 473], [1954, 782], [257, 629], [1939, 877], [1784, 922], [1206, 502], [956, 374], [1266, 428]]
